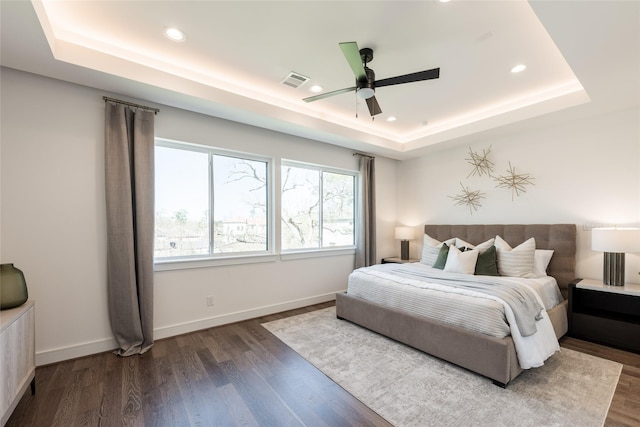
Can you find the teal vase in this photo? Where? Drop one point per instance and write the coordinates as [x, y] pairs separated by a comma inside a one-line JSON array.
[[13, 288]]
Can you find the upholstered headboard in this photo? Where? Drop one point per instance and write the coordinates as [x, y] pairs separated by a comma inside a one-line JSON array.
[[559, 237]]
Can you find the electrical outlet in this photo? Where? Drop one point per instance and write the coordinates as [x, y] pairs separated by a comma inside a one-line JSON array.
[[210, 300]]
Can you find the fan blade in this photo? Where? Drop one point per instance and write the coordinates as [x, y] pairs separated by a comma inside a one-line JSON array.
[[408, 78], [328, 94], [374, 107], [352, 54]]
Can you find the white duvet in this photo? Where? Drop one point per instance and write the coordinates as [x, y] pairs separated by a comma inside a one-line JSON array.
[[383, 284]]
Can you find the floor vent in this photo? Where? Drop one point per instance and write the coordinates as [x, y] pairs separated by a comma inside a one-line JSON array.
[[295, 80]]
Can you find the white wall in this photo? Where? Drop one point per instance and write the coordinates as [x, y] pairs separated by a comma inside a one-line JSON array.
[[585, 172], [53, 220]]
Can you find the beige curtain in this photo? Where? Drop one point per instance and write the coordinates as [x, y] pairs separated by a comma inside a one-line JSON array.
[[129, 148], [366, 244]]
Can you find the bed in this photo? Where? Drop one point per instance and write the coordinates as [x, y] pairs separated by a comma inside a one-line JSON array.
[[491, 356]]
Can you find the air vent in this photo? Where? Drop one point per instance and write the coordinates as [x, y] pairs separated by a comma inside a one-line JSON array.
[[295, 80]]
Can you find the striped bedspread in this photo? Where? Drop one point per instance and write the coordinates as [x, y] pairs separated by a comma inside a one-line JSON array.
[[407, 287]]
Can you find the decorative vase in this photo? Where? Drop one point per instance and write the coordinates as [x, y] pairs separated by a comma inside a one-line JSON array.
[[13, 288]]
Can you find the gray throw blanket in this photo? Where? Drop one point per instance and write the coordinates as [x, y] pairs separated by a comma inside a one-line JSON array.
[[522, 300]]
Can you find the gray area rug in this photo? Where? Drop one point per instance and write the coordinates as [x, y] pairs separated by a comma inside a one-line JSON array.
[[410, 388]]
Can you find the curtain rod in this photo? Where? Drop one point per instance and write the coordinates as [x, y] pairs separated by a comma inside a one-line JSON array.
[[131, 104], [363, 155]]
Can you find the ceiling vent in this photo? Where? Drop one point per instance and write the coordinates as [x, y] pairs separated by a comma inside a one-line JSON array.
[[295, 80]]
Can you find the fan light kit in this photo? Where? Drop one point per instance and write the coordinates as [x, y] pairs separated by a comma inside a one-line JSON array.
[[366, 82], [365, 93]]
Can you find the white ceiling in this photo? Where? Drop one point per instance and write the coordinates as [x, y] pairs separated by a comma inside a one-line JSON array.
[[578, 53]]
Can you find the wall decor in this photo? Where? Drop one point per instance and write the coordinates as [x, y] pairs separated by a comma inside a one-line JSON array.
[[516, 182], [480, 162], [470, 198]]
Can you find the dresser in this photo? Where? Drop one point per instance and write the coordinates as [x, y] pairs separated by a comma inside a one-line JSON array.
[[17, 356]]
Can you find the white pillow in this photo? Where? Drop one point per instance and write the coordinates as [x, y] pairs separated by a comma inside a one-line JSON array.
[[431, 248], [518, 261], [481, 247], [541, 260], [461, 262]]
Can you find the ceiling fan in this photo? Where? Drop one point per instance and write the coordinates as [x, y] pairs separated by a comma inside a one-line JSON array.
[[366, 82]]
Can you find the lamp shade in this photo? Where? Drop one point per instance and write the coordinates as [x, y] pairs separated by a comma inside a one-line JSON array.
[[618, 240], [405, 233]]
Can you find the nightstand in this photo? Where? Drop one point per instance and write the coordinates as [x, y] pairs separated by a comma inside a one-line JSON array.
[[604, 314], [398, 260]]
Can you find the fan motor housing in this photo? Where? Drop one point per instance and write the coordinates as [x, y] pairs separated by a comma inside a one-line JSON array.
[[369, 82], [366, 54]]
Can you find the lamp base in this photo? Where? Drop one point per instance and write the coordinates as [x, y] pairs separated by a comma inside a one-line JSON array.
[[613, 271], [404, 249]]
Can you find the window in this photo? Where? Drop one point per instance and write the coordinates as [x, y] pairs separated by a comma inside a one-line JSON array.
[[317, 207], [208, 202]]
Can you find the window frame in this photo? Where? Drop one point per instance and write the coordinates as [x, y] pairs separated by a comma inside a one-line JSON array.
[[297, 253], [231, 258]]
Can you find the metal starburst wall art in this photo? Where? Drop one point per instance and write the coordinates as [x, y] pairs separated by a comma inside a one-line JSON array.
[[480, 162], [516, 182], [468, 197]]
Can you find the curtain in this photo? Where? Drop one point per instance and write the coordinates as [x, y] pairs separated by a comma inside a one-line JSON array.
[[129, 149], [366, 245]]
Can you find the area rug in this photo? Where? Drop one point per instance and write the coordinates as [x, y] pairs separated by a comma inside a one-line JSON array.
[[410, 388]]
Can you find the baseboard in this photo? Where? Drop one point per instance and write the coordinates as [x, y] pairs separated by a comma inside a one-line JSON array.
[[210, 322], [47, 357]]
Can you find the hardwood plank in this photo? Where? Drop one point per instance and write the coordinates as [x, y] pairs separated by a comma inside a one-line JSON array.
[[88, 410], [69, 402], [237, 406], [264, 405]]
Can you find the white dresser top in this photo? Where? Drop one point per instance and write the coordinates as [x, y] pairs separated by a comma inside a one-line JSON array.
[[9, 316]]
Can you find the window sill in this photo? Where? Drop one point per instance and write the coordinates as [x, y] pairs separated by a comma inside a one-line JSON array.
[[315, 253], [184, 264]]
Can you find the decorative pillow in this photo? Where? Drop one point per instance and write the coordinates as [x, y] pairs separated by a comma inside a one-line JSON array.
[[541, 260], [431, 249], [461, 262], [487, 264], [481, 247], [442, 257], [518, 261]]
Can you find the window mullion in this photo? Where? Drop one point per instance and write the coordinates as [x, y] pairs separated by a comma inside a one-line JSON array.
[[211, 206], [321, 208]]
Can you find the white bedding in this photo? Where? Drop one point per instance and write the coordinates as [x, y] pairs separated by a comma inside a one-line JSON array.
[[402, 286]]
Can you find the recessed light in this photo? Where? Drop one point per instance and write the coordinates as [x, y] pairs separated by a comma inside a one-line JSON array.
[[518, 68], [174, 34], [392, 118], [315, 88]]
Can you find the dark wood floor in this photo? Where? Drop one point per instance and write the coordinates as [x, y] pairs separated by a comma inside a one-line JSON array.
[[232, 375]]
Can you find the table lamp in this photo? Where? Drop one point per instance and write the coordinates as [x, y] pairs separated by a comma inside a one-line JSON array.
[[404, 234], [615, 242]]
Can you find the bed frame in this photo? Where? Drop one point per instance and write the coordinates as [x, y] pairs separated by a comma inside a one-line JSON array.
[[492, 357]]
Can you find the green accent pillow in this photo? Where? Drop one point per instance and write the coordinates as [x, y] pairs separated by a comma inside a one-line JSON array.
[[487, 263], [441, 260]]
